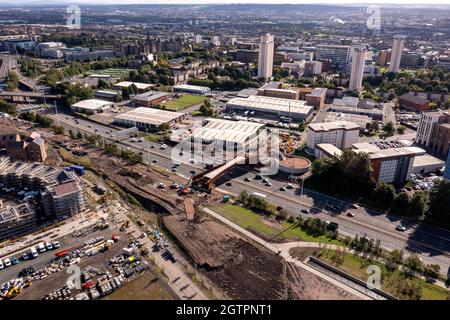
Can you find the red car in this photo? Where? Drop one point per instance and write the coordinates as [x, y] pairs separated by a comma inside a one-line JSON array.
[[88, 285], [350, 214]]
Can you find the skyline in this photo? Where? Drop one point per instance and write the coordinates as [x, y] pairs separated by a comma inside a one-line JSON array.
[[206, 2]]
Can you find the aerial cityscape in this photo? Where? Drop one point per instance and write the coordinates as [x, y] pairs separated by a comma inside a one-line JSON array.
[[224, 151]]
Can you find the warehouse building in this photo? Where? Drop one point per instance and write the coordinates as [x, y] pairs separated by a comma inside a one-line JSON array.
[[142, 87], [92, 106], [147, 118], [191, 89], [374, 114], [272, 108], [150, 98], [225, 134], [110, 95]]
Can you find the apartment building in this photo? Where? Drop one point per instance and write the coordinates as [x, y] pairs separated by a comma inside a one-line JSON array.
[[338, 54], [439, 142], [426, 121], [265, 56], [33, 148], [341, 134]]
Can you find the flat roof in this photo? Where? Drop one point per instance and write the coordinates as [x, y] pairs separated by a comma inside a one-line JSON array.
[[191, 87], [317, 92], [355, 110], [226, 130], [361, 120], [392, 152], [92, 104], [141, 86], [149, 116], [271, 104], [150, 95], [427, 160], [329, 149], [335, 125]]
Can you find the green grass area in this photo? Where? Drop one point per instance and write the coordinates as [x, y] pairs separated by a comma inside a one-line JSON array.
[[69, 157], [115, 72], [260, 224], [357, 267], [157, 137], [185, 101]]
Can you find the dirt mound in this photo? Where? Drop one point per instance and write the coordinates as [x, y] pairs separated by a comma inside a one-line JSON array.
[[209, 243]]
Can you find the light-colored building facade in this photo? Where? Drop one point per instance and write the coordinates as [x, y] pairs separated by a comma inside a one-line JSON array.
[[426, 121], [265, 56], [341, 134], [356, 74], [396, 54]]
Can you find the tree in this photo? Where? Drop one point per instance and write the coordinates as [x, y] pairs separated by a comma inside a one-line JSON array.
[[440, 202], [394, 259], [7, 107], [401, 129], [389, 128], [414, 263], [243, 197], [12, 82], [58, 129], [432, 270], [400, 205], [374, 127], [383, 195], [79, 135], [164, 127], [416, 207]]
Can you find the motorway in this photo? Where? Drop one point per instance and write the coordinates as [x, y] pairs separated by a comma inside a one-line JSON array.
[[433, 244], [7, 64]]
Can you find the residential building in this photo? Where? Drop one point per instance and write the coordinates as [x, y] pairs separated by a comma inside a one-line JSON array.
[[426, 121], [313, 68], [382, 57], [396, 54], [341, 134], [326, 150], [5, 138], [316, 98], [31, 149], [447, 167], [414, 103], [357, 71], [16, 221], [265, 56], [439, 142]]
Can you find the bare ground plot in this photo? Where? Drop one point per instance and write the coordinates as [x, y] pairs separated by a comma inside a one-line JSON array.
[[146, 287], [243, 271]]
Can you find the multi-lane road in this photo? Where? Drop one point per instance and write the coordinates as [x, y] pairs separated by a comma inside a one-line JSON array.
[[8, 63], [433, 244]]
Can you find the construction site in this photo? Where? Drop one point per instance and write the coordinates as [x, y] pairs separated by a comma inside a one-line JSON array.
[[234, 265]]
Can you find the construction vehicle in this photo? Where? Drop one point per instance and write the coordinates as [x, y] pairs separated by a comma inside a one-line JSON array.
[[13, 292]]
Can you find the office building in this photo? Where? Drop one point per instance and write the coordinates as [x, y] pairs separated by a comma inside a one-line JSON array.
[[327, 150], [396, 54], [150, 98], [341, 134], [338, 54], [313, 68], [265, 56]]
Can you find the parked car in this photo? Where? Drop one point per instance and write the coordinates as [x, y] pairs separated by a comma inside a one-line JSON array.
[[161, 185], [354, 206], [49, 245], [400, 228], [304, 211], [7, 262], [350, 214], [56, 244], [14, 261]]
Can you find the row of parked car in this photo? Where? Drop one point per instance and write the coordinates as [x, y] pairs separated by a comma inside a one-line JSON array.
[[32, 253]]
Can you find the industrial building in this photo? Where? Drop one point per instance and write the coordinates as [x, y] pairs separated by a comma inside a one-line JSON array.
[[272, 108], [142, 87], [191, 89], [229, 135], [275, 90], [374, 114], [92, 106], [147, 118], [55, 192], [150, 98], [341, 134], [110, 95]]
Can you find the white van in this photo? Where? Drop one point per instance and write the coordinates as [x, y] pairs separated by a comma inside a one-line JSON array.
[[34, 252], [41, 247]]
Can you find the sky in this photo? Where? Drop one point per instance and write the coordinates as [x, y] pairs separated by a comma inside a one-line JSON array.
[[417, 2]]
